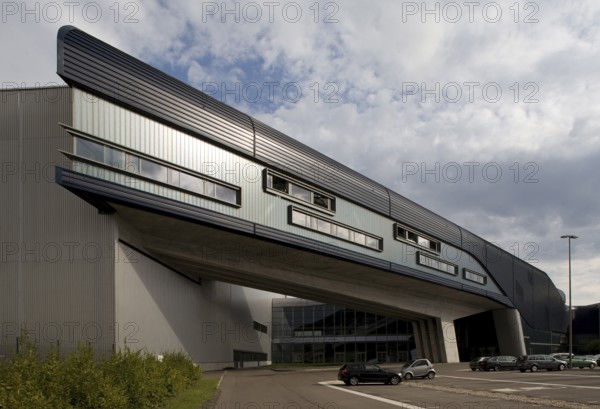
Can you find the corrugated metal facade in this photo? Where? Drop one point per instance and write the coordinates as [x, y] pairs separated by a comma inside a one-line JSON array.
[[95, 66], [57, 251]]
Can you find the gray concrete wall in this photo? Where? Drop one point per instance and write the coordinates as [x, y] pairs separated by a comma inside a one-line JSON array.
[[159, 310]]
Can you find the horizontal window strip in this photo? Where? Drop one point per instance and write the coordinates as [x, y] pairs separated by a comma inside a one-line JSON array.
[[127, 162], [297, 191], [474, 276], [437, 264], [319, 224]]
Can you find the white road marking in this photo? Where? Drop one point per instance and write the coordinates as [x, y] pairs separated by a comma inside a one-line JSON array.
[[524, 383], [335, 385], [506, 390]]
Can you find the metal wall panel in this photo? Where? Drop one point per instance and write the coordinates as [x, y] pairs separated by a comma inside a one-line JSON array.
[[102, 69], [65, 250], [408, 212], [297, 159]]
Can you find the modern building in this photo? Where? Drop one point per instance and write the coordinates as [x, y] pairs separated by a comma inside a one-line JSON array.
[[139, 211], [311, 332]]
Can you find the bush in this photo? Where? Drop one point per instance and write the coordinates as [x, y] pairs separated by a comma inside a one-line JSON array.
[[128, 380]]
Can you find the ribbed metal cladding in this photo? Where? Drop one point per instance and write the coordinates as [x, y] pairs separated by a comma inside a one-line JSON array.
[[291, 156], [10, 213], [104, 70], [406, 211], [64, 260]]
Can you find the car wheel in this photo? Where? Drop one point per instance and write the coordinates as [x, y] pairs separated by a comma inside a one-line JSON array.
[[522, 370], [395, 380], [561, 367], [534, 368], [431, 375], [592, 365], [497, 368], [473, 369], [354, 381], [408, 376], [581, 367]]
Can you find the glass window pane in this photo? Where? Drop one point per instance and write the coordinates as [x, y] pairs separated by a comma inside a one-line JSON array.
[[300, 193], [154, 171], [209, 188], [278, 183], [323, 226], [132, 163], [299, 218], [226, 194], [321, 200], [114, 157], [372, 242], [192, 183], [359, 238], [174, 177], [343, 233], [89, 149]]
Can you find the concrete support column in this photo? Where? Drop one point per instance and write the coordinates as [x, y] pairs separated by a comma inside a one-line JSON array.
[[422, 338], [434, 340], [447, 340], [509, 332]]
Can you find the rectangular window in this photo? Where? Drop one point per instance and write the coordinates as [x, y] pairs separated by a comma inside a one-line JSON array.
[[314, 222], [475, 277], [191, 183], [413, 237], [225, 193], [114, 157], [437, 264], [154, 171], [89, 150], [298, 191]]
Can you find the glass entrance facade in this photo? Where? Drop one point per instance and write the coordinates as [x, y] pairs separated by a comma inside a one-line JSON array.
[[310, 332]]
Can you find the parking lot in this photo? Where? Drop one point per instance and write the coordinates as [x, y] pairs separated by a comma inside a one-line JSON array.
[[454, 387]]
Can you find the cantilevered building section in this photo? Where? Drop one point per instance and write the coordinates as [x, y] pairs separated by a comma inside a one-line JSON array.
[[196, 189]]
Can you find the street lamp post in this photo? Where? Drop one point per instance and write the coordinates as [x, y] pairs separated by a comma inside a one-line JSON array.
[[570, 236]]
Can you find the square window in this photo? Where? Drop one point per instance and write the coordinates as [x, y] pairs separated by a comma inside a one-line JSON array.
[[278, 183]]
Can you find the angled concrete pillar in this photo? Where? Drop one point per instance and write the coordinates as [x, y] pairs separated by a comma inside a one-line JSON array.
[[447, 340], [509, 332]]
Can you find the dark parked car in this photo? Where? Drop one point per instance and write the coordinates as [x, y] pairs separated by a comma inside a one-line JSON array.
[[478, 363], [498, 363], [353, 374], [535, 362], [418, 368]]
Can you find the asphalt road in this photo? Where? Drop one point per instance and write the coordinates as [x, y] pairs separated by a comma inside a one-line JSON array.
[[455, 387]]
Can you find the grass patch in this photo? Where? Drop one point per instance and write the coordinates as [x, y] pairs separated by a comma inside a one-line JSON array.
[[196, 396]]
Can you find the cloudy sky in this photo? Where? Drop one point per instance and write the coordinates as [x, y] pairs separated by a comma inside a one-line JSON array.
[[485, 112]]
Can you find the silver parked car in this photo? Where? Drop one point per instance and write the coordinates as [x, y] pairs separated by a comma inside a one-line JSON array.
[[418, 368]]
